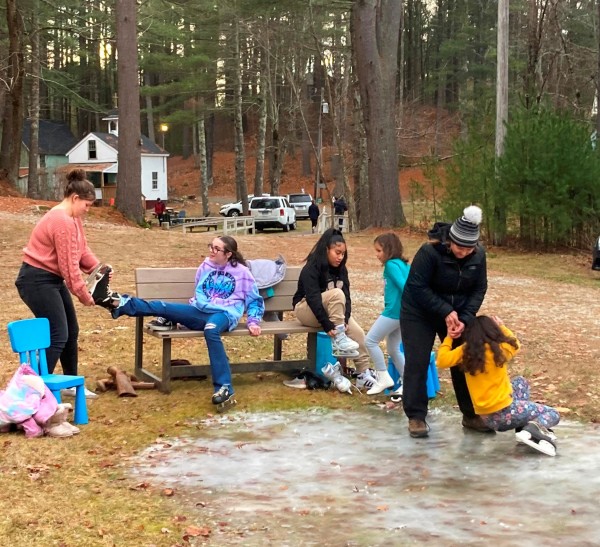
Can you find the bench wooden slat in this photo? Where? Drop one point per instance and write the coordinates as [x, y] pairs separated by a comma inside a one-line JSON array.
[[290, 326], [177, 285]]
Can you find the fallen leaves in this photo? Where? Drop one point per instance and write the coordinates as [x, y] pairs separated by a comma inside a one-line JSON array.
[[195, 531]]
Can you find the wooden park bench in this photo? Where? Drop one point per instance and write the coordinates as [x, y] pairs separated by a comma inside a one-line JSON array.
[[200, 223], [228, 225], [177, 285]]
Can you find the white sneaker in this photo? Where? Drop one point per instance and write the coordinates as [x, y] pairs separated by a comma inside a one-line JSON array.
[[383, 380], [365, 380], [70, 392]]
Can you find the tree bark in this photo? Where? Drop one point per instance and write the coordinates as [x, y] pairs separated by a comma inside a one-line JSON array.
[[262, 124], [375, 29], [240, 150], [33, 176], [129, 191], [204, 181], [13, 126]]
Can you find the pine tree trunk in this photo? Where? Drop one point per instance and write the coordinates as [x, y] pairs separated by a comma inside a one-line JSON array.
[[129, 191], [13, 125], [240, 150], [149, 108], [33, 178], [375, 28], [204, 181], [262, 127]]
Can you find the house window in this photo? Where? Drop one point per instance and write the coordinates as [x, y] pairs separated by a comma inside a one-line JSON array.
[[154, 180], [92, 155]]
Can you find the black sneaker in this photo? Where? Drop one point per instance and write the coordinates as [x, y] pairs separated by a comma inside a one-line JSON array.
[[222, 396], [160, 323]]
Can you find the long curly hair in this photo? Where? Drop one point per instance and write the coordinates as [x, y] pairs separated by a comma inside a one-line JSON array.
[[481, 333]]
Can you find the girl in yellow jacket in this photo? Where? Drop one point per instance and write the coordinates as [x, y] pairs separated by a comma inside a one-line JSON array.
[[487, 346]]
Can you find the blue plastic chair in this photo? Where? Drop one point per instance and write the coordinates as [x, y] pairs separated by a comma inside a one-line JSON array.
[[30, 338]]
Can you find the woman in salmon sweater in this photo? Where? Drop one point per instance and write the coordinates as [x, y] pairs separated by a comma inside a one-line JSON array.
[[502, 403], [53, 261]]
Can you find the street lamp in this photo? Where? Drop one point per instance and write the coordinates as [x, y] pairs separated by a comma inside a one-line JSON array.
[[323, 109], [163, 129]]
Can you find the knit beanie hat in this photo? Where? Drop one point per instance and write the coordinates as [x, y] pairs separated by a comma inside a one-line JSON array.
[[465, 230]]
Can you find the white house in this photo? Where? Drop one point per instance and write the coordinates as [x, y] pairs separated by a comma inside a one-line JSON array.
[[97, 154]]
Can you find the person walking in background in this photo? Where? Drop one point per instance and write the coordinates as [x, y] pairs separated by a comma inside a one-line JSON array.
[[443, 293], [389, 251], [487, 347], [323, 300], [339, 209], [225, 288], [159, 210], [53, 260], [313, 214]]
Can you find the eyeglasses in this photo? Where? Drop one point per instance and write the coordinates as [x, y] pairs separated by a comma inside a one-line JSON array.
[[214, 249]]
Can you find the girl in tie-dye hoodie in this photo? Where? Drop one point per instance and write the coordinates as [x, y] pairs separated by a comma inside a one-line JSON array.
[[224, 289]]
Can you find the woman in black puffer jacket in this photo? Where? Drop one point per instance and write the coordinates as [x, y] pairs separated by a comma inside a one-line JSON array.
[[444, 291]]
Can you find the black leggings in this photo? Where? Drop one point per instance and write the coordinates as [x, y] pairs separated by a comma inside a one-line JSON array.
[[46, 295], [418, 335]]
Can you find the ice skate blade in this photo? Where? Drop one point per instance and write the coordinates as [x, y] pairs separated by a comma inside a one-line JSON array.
[[542, 446], [223, 407], [347, 355], [93, 278]]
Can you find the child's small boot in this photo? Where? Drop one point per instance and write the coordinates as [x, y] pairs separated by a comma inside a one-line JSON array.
[[57, 425]]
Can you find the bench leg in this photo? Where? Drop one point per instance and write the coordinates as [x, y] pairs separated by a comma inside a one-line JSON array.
[[139, 346], [277, 345], [311, 350], [165, 385]]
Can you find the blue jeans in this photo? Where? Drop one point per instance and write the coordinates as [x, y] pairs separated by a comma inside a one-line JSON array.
[[46, 295], [213, 324]]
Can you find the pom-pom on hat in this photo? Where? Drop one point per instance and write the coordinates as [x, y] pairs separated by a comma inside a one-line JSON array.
[[465, 230]]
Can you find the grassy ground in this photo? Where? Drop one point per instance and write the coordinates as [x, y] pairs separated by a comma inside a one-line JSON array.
[[78, 491]]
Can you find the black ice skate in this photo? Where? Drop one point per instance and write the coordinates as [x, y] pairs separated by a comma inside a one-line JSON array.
[[94, 277], [223, 399], [97, 284]]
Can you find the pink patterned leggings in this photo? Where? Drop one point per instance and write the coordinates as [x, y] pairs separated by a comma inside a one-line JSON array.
[[521, 410]]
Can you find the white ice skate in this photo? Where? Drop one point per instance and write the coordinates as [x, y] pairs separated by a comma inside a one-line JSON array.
[[342, 346], [538, 437], [334, 374]]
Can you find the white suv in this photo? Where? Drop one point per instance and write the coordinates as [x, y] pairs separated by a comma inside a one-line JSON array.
[[300, 202], [274, 212], [234, 209]]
